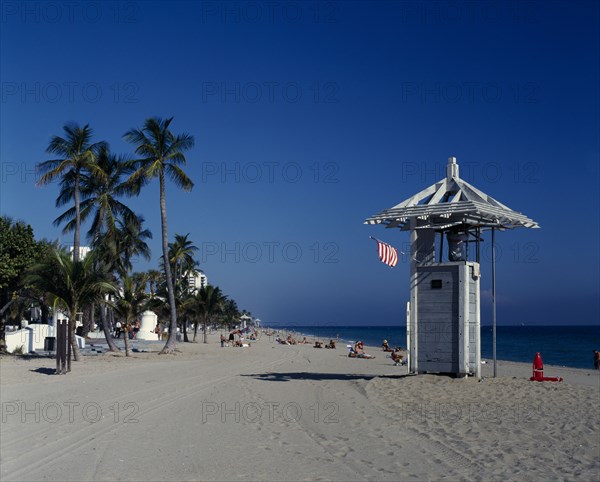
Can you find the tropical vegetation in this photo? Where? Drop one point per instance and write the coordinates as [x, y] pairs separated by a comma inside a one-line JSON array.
[[99, 281]]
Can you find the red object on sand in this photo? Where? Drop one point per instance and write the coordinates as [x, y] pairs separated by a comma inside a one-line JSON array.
[[538, 368], [538, 371]]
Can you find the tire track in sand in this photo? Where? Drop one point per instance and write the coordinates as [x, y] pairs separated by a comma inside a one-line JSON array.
[[89, 434]]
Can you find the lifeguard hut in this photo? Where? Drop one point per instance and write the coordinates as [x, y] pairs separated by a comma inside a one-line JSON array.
[[443, 321]]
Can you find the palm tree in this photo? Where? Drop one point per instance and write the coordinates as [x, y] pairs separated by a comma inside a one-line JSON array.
[[162, 155], [181, 256], [130, 237], [99, 194], [115, 248], [210, 300], [182, 262], [187, 308], [71, 284], [154, 278], [141, 278], [130, 302], [126, 241], [231, 313], [77, 157]]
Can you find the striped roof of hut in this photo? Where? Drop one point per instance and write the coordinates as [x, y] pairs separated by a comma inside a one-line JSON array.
[[449, 203]]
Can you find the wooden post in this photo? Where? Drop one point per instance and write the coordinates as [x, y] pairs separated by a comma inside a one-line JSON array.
[[57, 344], [70, 339]]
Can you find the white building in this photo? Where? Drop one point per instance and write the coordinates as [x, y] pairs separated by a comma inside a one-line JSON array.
[[83, 251], [197, 280]]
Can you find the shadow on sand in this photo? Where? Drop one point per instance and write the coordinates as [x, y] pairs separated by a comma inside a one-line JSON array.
[[44, 371], [286, 377]]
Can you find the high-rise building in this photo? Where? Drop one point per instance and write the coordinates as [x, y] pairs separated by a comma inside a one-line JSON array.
[[83, 251], [196, 280]]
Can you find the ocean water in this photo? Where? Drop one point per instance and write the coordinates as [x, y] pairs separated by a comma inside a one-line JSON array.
[[570, 346]]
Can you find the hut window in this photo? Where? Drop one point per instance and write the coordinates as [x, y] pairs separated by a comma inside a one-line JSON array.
[[436, 284]]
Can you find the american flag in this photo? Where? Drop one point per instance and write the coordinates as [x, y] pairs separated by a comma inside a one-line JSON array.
[[387, 254]]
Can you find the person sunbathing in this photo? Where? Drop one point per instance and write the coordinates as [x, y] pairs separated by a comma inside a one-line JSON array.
[[318, 344], [358, 351], [331, 344], [385, 346], [398, 356], [353, 354]]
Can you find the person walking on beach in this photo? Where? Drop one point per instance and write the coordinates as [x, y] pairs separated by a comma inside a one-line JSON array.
[[596, 360]]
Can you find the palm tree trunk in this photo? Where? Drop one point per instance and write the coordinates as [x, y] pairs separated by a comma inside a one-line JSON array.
[[170, 345], [195, 330], [72, 339], [93, 317], [185, 337], [6, 307], [107, 331], [127, 349], [205, 331], [87, 320], [76, 240]]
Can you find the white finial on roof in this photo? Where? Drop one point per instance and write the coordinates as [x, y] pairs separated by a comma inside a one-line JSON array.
[[452, 169]]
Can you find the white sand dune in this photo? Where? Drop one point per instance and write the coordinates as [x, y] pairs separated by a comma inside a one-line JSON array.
[[273, 412]]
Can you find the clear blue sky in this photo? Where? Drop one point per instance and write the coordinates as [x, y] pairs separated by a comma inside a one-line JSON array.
[[310, 117]]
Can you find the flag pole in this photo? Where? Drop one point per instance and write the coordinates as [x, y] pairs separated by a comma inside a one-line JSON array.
[[494, 297]]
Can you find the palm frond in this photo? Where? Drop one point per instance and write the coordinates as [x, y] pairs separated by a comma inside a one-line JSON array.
[[179, 178]]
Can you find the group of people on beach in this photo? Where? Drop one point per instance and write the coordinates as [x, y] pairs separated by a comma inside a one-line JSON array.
[[355, 350], [290, 340], [397, 354], [358, 351], [231, 341], [132, 330], [330, 345]]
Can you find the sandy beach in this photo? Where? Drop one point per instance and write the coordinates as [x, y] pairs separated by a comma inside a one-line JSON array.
[[274, 412]]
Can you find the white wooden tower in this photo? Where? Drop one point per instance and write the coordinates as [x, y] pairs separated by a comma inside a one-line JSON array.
[[443, 322]]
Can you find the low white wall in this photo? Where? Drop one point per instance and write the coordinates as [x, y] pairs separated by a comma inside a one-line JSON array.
[[16, 339], [33, 338], [38, 335]]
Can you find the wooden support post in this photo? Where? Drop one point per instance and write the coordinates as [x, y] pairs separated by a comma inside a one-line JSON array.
[[57, 345], [70, 339]]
